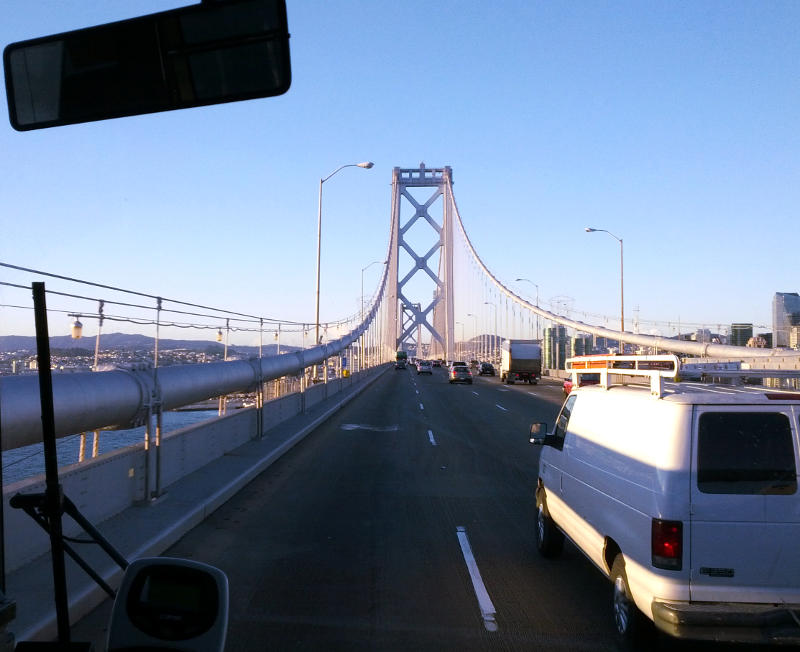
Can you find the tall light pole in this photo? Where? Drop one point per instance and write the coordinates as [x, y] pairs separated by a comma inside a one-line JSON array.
[[536, 285], [621, 281], [494, 337], [461, 354], [366, 165]]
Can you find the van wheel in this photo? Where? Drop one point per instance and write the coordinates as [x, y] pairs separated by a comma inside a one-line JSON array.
[[549, 539], [634, 630]]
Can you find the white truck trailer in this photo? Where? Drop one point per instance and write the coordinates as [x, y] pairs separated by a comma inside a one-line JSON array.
[[520, 360]]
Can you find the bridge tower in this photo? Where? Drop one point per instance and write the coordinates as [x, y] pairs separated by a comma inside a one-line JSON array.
[[411, 314]]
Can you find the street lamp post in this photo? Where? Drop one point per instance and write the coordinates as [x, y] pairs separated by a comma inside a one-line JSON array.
[[366, 165], [461, 354], [494, 337], [621, 281], [536, 285]]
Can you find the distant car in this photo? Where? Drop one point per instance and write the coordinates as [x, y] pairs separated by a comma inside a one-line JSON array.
[[586, 379], [437, 363], [400, 364], [424, 367], [460, 373], [486, 369]]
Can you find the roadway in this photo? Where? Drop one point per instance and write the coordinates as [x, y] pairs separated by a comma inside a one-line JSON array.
[[358, 539]]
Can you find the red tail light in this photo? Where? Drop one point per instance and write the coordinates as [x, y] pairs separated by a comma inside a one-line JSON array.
[[667, 544]]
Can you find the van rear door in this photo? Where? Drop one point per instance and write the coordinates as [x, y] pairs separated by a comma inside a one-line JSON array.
[[745, 512]]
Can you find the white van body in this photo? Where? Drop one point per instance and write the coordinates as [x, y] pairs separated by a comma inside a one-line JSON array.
[[716, 465]]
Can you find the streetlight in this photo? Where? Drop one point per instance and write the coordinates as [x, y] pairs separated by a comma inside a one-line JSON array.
[[461, 355], [537, 302], [494, 337], [366, 165], [76, 330], [621, 285]]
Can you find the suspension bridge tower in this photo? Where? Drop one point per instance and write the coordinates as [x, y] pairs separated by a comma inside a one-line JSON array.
[[412, 260]]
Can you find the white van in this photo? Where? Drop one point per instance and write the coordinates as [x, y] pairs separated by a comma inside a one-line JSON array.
[[685, 495]]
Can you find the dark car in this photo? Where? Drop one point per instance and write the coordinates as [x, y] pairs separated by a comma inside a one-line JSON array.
[[486, 369], [460, 373]]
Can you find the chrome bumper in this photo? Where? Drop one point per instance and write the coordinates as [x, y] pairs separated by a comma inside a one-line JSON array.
[[730, 622]]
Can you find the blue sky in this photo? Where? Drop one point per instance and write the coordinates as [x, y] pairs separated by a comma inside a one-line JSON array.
[[671, 124]]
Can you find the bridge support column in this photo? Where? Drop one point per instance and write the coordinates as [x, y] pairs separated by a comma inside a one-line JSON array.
[[434, 315]]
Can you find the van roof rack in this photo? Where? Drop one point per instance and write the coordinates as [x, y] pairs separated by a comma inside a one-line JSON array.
[[654, 367], [659, 367]]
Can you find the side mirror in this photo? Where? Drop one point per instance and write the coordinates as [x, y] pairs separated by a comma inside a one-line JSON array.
[[538, 434]]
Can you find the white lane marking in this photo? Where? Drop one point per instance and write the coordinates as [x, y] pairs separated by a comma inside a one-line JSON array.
[[476, 393], [484, 601], [502, 389], [421, 406], [417, 391], [430, 436], [532, 393], [501, 407], [360, 426]]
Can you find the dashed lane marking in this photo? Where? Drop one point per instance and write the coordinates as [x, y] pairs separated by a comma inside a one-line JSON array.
[[485, 603]]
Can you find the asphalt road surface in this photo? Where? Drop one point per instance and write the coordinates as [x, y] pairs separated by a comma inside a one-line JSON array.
[[407, 523]]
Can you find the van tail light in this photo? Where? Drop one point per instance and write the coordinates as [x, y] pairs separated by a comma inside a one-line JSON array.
[[667, 544]]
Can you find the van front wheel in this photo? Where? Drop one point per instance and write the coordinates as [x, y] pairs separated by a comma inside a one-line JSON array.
[[633, 627], [549, 539]]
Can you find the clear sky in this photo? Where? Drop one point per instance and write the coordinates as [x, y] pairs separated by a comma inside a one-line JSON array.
[[674, 125]]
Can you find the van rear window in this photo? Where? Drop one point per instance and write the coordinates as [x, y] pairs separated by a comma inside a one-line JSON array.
[[745, 453]]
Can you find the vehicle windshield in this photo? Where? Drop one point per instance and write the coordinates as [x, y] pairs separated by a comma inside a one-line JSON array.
[[246, 224]]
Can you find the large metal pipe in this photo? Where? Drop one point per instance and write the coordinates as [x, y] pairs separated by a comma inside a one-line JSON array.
[[123, 397]]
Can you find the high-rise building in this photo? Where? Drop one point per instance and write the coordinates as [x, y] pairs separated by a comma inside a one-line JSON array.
[[581, 344], [555, 347], [785, 314], [740, 333]]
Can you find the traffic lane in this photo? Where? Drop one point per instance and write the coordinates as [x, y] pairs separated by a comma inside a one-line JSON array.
[[549, 389], [350, 541], [490, 476]]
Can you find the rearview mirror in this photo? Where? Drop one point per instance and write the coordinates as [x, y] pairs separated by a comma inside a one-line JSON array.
[[210, 53]]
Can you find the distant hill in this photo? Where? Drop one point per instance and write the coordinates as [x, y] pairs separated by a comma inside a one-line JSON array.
[[127, 342]]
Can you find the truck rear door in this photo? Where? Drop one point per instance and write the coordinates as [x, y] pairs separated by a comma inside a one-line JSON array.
[[745, 511]]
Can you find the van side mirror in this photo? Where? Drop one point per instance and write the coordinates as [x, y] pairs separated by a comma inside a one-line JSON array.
[[538, 434]]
